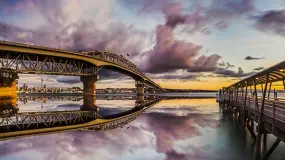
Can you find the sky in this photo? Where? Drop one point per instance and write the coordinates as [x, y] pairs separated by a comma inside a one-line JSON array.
[[191, 44]]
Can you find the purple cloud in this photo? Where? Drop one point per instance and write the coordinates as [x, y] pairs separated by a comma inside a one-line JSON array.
[[230, 73], [169, 54], [271, 21]]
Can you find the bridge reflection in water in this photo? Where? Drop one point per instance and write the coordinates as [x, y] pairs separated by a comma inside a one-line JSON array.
[[14, 124]]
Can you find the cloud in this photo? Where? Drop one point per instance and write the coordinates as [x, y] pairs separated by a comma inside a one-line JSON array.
[[222, 64], [221, 25], [205, 63], [169, 54], [228, 9], [171, 155], [228, 65], [156, 131], [89, 25], [68, 79], [218, 13], [271, 21], [258, 68], [65, 20], [176, 76], [253, 58], [206, 31], [79, 34], [104, 74], [169, 127], [230, 73]]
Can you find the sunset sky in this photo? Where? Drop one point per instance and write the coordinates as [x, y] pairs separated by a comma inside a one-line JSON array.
[[197, 44]]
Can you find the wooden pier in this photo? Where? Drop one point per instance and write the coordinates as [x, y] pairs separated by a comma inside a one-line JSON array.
[[261, 107]]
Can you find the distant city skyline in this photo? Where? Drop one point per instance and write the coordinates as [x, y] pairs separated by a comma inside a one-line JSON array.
[[179, 44]]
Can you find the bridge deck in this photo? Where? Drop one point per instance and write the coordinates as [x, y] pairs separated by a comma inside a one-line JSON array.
[[273, 114]]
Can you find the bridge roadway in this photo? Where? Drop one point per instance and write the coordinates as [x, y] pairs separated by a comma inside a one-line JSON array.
[[38, 123], [267, 111], [31, 59]]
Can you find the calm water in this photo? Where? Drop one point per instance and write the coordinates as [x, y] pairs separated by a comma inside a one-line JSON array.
[[179, 129]]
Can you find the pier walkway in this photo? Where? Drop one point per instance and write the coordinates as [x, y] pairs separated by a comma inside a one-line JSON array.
[[255, 103]]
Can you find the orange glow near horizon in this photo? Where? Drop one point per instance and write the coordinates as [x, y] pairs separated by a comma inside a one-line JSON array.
[[205, 84], [210, 83]]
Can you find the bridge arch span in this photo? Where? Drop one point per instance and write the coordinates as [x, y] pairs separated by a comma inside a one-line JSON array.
[[29, 59]]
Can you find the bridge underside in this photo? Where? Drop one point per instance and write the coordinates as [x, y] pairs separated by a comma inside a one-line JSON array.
[[41, 64], [25, 63]]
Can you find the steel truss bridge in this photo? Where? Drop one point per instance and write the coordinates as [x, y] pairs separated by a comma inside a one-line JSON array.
[[30, 59], [266, 109], [16, 125]]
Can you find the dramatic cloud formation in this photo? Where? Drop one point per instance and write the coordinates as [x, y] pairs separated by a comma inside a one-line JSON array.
[[272, 21], [65, 30], [219, 14], [169, 54], [253, 58], [118, 26]]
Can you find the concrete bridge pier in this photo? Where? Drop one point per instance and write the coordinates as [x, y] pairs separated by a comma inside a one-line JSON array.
[[140, 88], [140, 100], [89, 92], [140, 92]]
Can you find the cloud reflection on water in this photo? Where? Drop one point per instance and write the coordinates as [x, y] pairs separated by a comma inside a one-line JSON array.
[[160, 133], [153, 133]]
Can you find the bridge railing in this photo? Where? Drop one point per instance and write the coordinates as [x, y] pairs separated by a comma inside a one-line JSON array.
[[119, 60], [120, 122], [274, 108], [114, 58], [35, 120]]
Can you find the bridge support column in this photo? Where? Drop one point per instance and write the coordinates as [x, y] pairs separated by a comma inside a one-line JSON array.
[[140, 100], [89, 92], [140, 92], [140, 88], [261, 131]]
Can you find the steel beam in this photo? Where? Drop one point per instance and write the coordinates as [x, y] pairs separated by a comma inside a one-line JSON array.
[[272, 148], [269, 89], [256, 98], [263, 100]]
